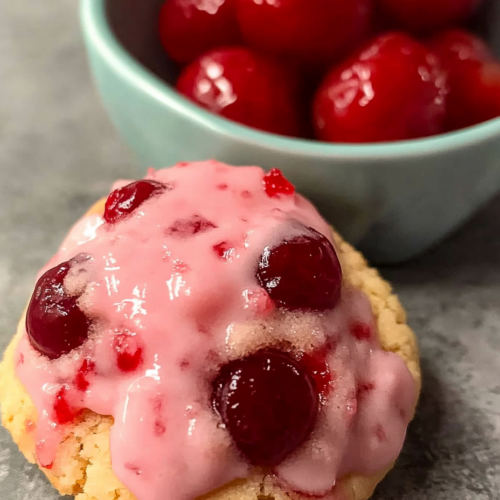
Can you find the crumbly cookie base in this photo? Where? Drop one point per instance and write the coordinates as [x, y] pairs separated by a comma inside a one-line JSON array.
[[82, 466]]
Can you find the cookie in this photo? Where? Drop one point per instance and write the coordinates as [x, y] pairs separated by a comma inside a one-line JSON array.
[[82, 463]]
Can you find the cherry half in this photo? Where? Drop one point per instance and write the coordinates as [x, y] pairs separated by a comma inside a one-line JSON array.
[[123, 201], [54, 322], [268, 403], [302, 273]]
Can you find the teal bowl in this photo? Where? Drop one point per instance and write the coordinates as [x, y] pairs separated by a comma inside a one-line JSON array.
[[392, 200]]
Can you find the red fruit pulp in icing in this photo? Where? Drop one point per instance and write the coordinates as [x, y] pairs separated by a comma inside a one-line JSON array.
[[189, 227], [456, 45], [319, 370], [268, 403], [428, 15], [190, 27], [245, 87], [361, 331], [223, 250], [64, 413], [310, 32], [82, 377], [380, 433], [394, 89], [54, 322], [301, 273], [128, 352], [124, 201], [363, 389], [160, 428], [276, 184], [159, 425]]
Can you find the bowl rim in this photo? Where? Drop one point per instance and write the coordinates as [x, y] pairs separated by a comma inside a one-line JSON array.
[[99, 33]]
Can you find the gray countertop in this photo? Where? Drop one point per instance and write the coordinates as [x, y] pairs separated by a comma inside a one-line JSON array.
[[58, 153]]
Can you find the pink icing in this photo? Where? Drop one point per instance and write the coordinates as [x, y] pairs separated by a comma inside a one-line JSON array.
[[180, 302]]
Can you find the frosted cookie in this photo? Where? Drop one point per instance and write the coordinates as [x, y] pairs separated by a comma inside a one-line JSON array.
[[203, 334]]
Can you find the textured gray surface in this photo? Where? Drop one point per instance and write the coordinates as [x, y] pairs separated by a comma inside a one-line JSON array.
[[58, 153]]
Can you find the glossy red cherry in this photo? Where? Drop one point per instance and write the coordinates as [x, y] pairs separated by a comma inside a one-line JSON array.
[[393, 89], [428, 15], [54, 322], [123, 201], [245, 87], [456, 45], [268, 403], [302, 272], [473, 78], [312, 32], [474, 94], [190, 27], [277, 185]]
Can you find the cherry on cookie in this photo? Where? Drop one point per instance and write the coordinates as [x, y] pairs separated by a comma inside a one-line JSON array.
[[54, 321], [268, 403], [302, 272]]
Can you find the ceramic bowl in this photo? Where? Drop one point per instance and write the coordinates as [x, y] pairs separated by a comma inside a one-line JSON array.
[[393, 200]]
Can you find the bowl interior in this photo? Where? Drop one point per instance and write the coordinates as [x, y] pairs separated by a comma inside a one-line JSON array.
[[135, 26], [487, 24]]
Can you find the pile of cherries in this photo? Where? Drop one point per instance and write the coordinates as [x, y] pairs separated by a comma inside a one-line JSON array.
[[268, 400], [352, 71]]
